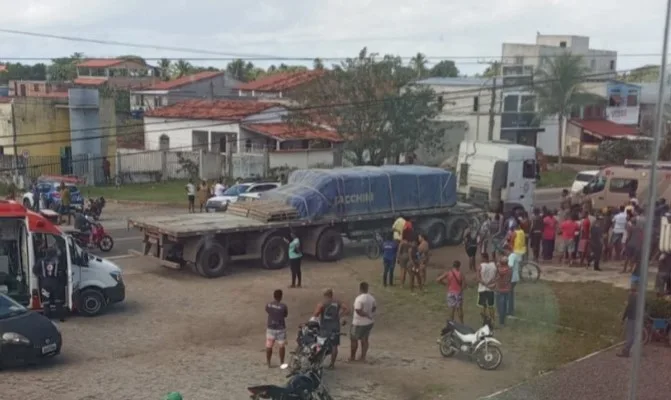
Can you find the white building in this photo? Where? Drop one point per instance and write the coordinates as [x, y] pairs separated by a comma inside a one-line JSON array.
[[247, 126]]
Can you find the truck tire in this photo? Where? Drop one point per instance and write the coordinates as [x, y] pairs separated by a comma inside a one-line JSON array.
[[435, 231], [330, 246], [275, 253], [456, 230], [213, 261]]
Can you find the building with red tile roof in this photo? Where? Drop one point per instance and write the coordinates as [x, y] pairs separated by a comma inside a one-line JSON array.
[[279, 84], [116, 73], [203, 85], [217, 110]]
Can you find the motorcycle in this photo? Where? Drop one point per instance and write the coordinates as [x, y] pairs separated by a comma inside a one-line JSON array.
[[480, 344], [100, 238], [312, 349], [95, 207], [305, 386]]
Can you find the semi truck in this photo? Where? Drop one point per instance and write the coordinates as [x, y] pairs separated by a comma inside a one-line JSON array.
[[320, 206]]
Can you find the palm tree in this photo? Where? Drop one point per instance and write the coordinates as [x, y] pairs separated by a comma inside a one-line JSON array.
[[418, 64], [559, 91], [164, 65], [182, 68]]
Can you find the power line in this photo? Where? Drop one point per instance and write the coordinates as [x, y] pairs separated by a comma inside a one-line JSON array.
[[230, 56], [465, 93]]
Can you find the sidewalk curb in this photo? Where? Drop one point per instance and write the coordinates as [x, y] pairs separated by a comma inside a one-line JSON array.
[[502, 391], [145, 203]]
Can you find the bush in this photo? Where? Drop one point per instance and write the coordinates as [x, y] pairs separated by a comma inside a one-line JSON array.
[[658, 308]]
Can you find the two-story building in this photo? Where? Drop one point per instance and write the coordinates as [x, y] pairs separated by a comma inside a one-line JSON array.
[[117, 73], [203, 85], [280, 86]]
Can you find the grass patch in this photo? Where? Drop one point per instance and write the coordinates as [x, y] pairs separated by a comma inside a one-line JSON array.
[[170, 192], [552, 179], [556, 322]]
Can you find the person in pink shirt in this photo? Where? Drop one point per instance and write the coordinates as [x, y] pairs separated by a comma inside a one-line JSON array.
[[455, 283], [569, 228], [549, 235]]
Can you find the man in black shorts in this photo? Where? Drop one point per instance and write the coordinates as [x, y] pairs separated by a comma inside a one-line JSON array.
[[486, 282]]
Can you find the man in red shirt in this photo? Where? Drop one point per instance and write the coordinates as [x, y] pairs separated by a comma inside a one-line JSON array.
[[583, 242], [568, 229]]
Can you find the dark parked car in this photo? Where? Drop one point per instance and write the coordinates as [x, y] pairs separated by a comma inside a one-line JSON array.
[[26, 337]]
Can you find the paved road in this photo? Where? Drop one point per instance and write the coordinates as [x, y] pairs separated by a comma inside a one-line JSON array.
[[603, 376], [124, 240]]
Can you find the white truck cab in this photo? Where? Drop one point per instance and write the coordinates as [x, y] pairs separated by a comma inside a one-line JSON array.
[[498, 176], [92, 282]]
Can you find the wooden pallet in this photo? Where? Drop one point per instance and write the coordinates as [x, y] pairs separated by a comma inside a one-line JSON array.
[[263, 210]]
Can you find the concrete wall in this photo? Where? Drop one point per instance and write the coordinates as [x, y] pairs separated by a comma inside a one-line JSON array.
[[180, 132], [6, 127], [50, 118]]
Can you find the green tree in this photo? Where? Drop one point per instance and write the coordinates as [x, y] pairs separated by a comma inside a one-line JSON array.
[[182, 68], [418, 64], [165, 65], [493, 70], [64, 68], [240, 70], [558, 91], [133, 58], [18, 71], [644, 74], [361, 100], [317, 63], [444, 69]]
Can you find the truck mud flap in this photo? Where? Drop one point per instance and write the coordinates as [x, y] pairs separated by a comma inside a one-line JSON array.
[[163, 263]]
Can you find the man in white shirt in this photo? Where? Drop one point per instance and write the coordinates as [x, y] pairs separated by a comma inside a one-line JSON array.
[[362, 321], [191, 196], [486, 282], [219, 187], [619, 229]]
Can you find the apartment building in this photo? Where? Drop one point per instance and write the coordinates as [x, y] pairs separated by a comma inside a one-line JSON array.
[[118, 73]]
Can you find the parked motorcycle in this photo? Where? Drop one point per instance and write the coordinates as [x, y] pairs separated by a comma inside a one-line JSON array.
[[480, 344], [100, 238], [306, 386], [95, 207]]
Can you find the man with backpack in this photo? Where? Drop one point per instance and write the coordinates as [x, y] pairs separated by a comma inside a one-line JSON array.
[[330, 312]]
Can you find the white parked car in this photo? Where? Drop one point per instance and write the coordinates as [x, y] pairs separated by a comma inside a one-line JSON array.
[[582, 179], [231, 195]]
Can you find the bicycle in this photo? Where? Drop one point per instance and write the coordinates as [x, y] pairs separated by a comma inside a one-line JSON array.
[[374, 246], [656, 329], [529, 270]]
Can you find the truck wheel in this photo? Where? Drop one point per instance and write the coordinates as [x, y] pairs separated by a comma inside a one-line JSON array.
[[212, 261], [91, 302], [435, 232], [275, 253], [456, 230], [330, 246]]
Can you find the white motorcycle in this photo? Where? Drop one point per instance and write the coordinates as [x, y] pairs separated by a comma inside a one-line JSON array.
[[480, 344]]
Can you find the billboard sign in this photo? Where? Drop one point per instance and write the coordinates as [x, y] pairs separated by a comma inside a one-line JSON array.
[[623, 103]]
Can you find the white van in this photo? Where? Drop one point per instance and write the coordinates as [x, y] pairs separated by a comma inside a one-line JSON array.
[[582, 179], [497, 176], [93, 283]]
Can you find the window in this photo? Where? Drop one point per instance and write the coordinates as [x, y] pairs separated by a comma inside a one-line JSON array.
[[440, 103], [562, 44], [528, 103], [463, 175], [248, 145], [529, 169], [36, 87], [632, 100], [476, 104], [157, 101], [592, 64], [622, 185], [519, 60], [510, 103], [164, 143], [612, 65]]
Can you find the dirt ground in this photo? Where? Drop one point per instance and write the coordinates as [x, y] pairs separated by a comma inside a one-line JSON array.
[[205, 339]]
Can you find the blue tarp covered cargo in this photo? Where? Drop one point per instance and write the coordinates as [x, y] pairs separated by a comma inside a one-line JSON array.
[[366, 190]]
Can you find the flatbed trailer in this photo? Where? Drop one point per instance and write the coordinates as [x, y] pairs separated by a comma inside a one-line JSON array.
[[208, 243]]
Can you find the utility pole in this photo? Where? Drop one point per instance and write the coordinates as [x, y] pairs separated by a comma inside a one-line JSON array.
[[211, 91], [15, 162], [492, 112]]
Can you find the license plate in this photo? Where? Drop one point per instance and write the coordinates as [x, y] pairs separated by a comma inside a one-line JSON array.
[[50, 348]]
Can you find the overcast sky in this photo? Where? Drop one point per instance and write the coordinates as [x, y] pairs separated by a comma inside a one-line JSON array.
[[328, 29]]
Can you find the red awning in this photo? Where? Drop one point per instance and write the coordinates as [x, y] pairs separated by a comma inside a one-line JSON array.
[[604, 129]]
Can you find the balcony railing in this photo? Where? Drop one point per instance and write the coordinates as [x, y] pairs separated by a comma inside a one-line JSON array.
[[517, 120]]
